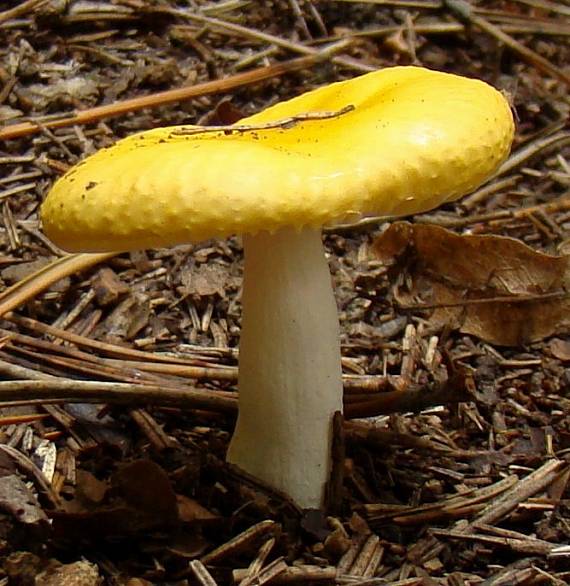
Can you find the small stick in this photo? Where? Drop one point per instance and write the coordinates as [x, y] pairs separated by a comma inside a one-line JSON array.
[[498, 299], [561, 204], [58, 390], [241, 542], [533, 148], [297, 575], [432, 4], [300, 17], [350, 555], [163, 364], [502, 532], [446, 28], [157, 437], [356, 387], [516, 573], [368, 558], [527, 487], [55, 390], [547, 5], [20, 9], [412, 399], [409, 349], [528, 546], [268, 574], [449, 507], [469, 202], [202, 574], [103, 347], [257, 564], [285, 123], [15, 190], [499, 508], [18, 419], [360, 431]]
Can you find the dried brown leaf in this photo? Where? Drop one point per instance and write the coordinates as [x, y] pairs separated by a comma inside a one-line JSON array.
[[140, 482], [493, 287], [138, 499]]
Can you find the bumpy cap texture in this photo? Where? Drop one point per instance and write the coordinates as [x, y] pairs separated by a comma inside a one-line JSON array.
[[394, 142]]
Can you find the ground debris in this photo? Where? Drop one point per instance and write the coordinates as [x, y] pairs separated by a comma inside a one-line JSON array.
[[492, 287], [451, 461], [76, 574], [18, 500]]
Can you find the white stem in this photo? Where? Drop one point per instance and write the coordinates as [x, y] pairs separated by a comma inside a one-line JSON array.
[[290, 379]]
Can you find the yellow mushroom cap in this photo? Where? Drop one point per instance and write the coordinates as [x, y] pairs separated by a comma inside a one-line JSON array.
[[394, 142]]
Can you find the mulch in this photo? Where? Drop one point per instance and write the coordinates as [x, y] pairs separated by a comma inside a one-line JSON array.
[[118, 391]]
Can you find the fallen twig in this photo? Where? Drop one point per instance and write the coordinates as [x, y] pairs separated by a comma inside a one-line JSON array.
[[21, 9], [302, 574], [529, 546], [285, 124], [525, 488], [242, 541], [59, 390]]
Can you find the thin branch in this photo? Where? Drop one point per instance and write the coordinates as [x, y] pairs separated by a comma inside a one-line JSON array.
[[59, 390], [285, 123], [21, 9]]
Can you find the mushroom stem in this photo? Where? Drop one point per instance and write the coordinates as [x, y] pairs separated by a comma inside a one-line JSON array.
[[290, 379]]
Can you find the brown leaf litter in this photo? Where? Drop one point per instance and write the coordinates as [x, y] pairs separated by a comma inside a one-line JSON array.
[[493, 287]]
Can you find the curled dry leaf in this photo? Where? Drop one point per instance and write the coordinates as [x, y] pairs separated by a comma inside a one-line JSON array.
[[492, 287]]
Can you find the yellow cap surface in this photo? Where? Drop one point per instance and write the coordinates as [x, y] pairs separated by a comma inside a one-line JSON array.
[[394, 142]]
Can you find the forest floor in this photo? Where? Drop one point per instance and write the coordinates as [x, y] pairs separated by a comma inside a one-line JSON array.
[[452, 465]]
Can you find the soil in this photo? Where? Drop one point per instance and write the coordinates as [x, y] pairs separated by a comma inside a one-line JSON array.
[[118, 392]]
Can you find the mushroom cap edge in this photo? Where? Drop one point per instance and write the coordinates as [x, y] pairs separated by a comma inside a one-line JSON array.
[[394, 142]]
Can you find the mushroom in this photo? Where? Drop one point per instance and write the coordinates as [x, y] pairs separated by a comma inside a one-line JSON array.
[[394, 142]]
